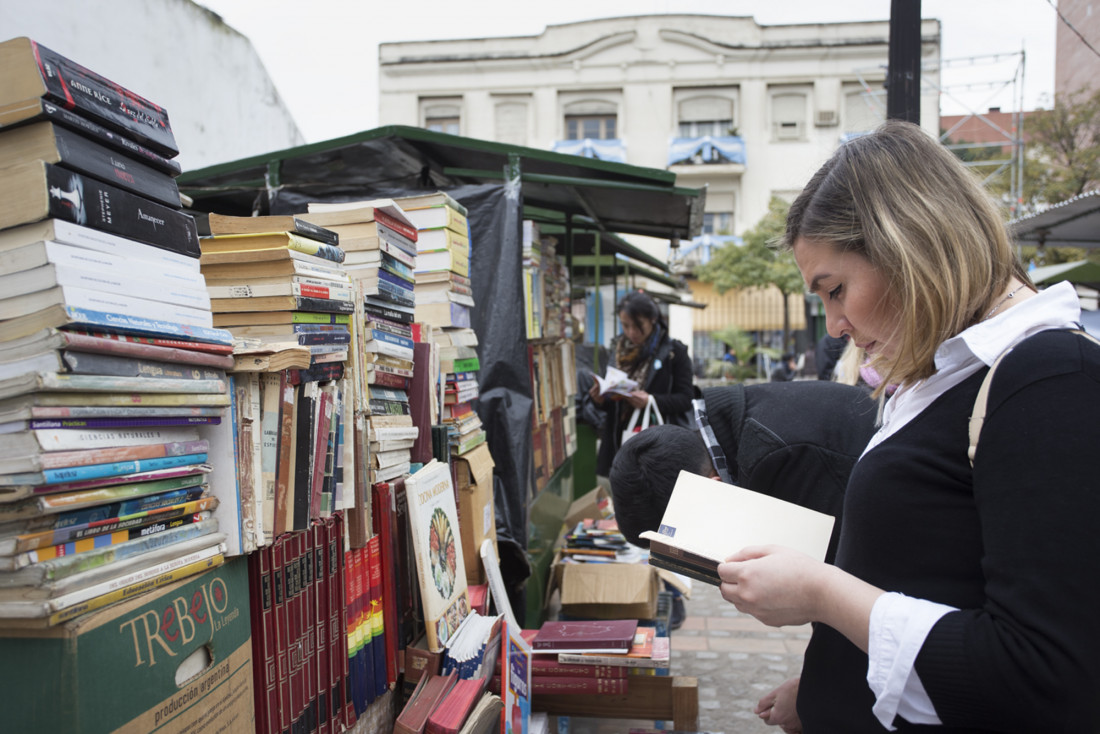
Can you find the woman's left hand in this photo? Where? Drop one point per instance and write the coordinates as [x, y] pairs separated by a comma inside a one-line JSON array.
[[775, 584], [638, 398]]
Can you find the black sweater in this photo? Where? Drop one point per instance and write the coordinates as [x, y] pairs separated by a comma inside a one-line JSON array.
[[1013, 544]]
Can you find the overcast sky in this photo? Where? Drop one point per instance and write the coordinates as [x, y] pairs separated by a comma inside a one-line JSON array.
[[323, 55]]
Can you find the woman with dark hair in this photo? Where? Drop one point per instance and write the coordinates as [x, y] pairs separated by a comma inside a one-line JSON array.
[[657, 362]]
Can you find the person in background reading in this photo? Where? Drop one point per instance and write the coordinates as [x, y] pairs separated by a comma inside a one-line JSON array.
[[658, 363], [960, 597]]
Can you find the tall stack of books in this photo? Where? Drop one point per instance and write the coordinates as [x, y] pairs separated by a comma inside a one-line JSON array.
[[443, 300], [533, 294], [114, 384], [278, 286]]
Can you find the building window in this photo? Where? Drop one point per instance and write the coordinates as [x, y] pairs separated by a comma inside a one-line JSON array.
[[706, 115], [788, 115], [717, 223], [593, 127], [442, 116], [511, 123], [862, 111]]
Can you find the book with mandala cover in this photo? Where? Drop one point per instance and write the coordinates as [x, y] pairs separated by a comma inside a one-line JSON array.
[[433, 517]]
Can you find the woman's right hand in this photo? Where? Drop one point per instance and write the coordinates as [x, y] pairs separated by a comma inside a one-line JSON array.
[[778, 707], [594, 393]]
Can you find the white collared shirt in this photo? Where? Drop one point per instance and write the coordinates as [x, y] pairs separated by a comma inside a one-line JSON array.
[[900, 624]]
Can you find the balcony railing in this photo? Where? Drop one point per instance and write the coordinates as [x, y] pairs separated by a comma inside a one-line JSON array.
[[707, 149], [613, 149]]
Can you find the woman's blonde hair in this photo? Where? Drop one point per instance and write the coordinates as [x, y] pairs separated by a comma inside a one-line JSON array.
[[905, 203]]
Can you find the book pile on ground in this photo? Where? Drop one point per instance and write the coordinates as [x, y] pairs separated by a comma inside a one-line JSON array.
[[299, 631], [598, 541], [459, 364], [114, 394]]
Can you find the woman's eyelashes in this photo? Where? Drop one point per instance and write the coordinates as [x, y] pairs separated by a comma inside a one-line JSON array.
[[835, 293]]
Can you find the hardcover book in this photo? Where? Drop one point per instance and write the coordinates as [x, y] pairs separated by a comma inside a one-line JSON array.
[[437, 542], [694, 543], [218, 224], [515, 684], [615, 635]]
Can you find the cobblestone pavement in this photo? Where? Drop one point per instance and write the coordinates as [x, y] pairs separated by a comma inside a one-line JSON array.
[[736, 659]]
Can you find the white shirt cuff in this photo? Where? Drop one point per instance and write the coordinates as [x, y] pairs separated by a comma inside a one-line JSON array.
[[899, 626]]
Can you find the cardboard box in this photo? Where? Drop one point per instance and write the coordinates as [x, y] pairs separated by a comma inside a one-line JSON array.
[[117, 669], [476, 513], [595, 504], [607, 590]]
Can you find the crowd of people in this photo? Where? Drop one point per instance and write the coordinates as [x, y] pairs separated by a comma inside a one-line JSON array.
[[959, 589]]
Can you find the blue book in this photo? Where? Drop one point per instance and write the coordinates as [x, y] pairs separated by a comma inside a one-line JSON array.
[[403, 285], [385, 336], [114, 469], [395, 266], [105, 321], [128, 507]]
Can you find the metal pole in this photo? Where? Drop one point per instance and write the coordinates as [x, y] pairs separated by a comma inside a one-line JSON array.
[[903, 75]]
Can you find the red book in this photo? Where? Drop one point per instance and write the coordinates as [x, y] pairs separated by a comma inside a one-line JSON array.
[[395, 224], [384, 514], [452, 712], [551, 685], [549, 666], [479, 598], [359, 607], [614, 636], [189, 346], [388, 379], [366, 624], [260, 649], [338, 634], [294, 623], [309, 623], [347, 619], [321, 625], [420, 403], [144, 348], [428, 695], [284, 453], [378, 622], [280, 585], [322, 428]]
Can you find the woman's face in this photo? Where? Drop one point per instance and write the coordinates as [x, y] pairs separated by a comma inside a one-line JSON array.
[[636, 331], [855, 294]]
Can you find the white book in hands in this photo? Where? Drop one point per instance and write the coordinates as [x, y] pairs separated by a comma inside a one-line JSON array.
[[707, 521], [615, 382]]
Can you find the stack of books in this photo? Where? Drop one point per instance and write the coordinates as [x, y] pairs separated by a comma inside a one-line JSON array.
[[459, 365], [278, 286], [533, 284], [114, 396], [598, 541], [443, 294]]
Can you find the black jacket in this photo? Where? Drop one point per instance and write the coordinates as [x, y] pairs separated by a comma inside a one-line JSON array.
[[796, 441], [672, 387]]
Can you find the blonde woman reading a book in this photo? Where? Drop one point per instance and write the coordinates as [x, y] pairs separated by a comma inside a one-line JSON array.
[[961, 597]]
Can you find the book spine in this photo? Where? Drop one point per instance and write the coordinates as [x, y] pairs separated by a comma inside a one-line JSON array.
[[90, 457], [405, 230], [61, 567], [406, 257], [355, 631], [378, 630], [280, 586], [130, 367], [62, 439], [366, 621], [550, 685], [388, 311], [133, 347], [316, 232], [86, 423], [335, 635], [387, 407], [397, 280], [284, 479], [85, 156], [162, 522], [347, 620], [313, 247], [109, 138], [109, 531], [96, 320], [309, 624], [322, 428], [303, 454], [294, 624], [83, 200], [316, 289], [77, 88], [323, 675], [543, 665], [140, 587], [263, 648], [387, 379], [123, 508], [397, 267], [316, 373]]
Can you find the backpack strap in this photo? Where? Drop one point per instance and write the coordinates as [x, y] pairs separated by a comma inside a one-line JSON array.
[[977, 417]]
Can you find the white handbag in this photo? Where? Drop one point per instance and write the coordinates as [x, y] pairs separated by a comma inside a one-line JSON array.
[[645, 413]]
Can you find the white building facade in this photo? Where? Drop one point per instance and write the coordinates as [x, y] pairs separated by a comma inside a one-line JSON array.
[[748, 111]]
